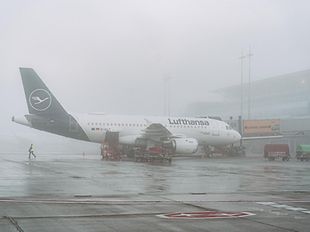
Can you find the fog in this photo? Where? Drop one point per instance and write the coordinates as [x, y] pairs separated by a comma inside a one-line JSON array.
[[113, 56]]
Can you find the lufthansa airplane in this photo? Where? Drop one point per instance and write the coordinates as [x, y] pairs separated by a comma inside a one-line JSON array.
[[47, 114]]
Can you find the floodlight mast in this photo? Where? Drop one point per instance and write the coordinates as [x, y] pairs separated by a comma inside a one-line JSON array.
[[241, 58], [249, 55]]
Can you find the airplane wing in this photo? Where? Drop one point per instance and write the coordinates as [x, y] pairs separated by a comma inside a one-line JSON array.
[[155, 131], [262, 137]]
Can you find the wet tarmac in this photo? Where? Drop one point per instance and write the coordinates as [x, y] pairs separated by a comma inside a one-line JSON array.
[[82, 193]]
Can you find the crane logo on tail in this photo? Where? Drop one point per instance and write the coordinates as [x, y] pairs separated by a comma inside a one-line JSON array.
[[40, 99]]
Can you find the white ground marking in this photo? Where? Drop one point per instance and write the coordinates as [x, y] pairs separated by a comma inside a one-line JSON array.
[[282, 206]]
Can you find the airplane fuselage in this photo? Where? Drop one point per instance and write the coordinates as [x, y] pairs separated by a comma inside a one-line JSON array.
[[47, 114], [204, 130], [93, 127]]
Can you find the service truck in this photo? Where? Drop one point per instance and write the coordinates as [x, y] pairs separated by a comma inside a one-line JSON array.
[[277, 151], [303, 152]]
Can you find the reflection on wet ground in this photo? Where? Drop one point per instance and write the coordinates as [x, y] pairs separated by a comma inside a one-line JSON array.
[[75, 193]]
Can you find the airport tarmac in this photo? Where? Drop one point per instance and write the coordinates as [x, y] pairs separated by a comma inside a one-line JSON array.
[[82, 193]]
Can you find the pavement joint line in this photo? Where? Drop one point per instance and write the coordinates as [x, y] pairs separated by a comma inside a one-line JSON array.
[[14, 223], [105, 202], [165, 200], [268, 224], [79, 216], [190, 204]]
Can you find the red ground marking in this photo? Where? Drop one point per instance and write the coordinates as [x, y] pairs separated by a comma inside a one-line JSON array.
[[205, 215]]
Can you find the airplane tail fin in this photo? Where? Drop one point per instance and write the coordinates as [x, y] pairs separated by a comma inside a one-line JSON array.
[[39, 98]]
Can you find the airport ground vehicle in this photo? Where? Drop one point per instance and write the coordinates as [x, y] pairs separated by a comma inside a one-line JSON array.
[[277, 151], [303, 152], [153, 154], [230, 151], [142, 151]]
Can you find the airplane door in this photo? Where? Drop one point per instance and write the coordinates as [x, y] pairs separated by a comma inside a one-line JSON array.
[[112, 138], [216, 129]]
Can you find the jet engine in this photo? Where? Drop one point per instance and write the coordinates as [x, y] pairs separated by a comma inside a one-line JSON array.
[[184, 145]]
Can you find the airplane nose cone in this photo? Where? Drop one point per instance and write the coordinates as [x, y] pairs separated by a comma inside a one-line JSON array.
[[237, 136]]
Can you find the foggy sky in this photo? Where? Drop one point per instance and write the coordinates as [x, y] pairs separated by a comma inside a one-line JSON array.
[[112, 56]]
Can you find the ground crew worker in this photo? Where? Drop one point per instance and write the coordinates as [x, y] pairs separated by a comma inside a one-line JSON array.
[[31, 152]]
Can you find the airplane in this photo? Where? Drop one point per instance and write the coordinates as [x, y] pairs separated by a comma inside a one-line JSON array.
[[184, 133]]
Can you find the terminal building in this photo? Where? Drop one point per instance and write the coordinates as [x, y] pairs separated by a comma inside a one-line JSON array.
[[283, 96], [283, 101]]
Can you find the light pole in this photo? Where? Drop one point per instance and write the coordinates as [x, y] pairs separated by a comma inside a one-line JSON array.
[[242, 57], [167, 95], [249, 55]]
